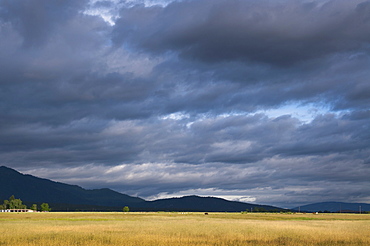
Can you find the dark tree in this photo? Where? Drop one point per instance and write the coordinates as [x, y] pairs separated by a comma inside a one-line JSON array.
[[34, 207], [45, 207], [13, 203]]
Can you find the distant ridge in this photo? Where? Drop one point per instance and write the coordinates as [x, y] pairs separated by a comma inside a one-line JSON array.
[[210, 204], [344, 207], [34, 189], [65, 197]]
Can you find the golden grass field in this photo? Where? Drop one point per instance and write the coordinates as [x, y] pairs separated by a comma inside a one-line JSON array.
[[172, 229]]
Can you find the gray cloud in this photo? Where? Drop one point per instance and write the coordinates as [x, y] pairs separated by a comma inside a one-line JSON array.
[[260, 31], [188, 97], [285, 50], [37, 20]]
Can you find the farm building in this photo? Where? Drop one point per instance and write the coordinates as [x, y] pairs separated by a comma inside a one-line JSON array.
[[17, 210]]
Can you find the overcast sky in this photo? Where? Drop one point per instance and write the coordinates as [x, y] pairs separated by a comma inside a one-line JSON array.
[[263, 101]]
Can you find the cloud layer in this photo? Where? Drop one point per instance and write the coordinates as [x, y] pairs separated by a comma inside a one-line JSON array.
[[161, 98]]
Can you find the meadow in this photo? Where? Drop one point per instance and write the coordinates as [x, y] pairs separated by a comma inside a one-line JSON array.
[[185, 229]]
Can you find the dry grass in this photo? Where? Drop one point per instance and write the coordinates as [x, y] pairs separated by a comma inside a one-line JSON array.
[[172, 229]]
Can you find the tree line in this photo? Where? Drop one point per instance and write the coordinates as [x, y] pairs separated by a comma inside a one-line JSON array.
[[14, 203]]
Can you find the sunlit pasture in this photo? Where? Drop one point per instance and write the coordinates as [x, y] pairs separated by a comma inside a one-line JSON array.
[[171, 229]]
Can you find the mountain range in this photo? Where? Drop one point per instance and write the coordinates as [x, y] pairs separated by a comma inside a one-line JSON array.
[[66, 197], [63, 197], [338, 207]]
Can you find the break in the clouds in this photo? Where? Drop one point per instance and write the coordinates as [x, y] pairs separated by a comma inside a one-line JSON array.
[[258, 101]]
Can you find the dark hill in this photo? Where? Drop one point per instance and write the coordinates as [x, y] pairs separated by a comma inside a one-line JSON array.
[[33, 189], [205, 204], [60, 196], [334, 207]]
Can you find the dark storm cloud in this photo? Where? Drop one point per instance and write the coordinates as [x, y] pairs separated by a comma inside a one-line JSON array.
[[189, 96], [37, 20], [274, 32], [275, 51]]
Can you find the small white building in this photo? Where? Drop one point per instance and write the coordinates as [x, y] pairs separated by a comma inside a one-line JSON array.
[[17, 210]]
